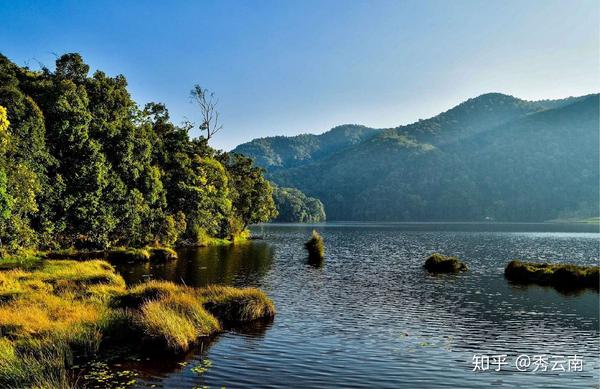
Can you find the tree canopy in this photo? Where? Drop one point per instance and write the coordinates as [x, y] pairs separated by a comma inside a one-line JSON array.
[[82, 165]]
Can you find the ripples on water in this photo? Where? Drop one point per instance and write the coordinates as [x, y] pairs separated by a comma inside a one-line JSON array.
[[371, 317]]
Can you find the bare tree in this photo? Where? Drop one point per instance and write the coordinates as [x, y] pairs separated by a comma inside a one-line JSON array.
[[208, 110]]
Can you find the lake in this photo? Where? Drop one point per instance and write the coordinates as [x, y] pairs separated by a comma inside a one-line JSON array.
[[370, 316]]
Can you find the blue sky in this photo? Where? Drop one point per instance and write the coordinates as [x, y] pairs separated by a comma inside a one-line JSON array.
[[287, 67]]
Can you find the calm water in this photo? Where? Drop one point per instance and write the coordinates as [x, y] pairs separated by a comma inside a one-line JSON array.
[[371, 317]]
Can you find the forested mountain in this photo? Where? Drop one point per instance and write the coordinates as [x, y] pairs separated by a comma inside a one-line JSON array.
[[493, 156], [284, 152], [82, 165]]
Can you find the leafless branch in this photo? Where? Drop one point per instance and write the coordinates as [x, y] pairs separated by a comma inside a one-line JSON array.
[[207, 103]]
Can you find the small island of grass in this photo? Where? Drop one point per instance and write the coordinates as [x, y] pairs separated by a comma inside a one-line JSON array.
[[439, 263], [65, 311], [561, 276], [315, 247]]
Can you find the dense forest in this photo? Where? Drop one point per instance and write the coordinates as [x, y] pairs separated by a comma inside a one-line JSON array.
[[81, 165], [493, 157], [293, 206]]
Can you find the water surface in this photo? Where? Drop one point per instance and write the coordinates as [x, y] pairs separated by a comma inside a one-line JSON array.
[[371, 317]]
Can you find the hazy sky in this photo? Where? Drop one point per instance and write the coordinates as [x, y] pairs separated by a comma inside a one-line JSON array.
[[286, 67]]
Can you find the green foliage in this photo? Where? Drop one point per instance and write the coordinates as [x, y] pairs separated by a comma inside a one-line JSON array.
[[252, 195], [494, 156], [81, 165], [295, 207]]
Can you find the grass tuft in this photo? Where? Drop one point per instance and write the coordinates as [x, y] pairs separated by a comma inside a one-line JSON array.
[[122, 254], [315, 247], [438, 263], [561, 276], [176, 322], [234, 305], [162, 254]]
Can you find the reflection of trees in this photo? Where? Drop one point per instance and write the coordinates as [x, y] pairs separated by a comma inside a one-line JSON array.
[[240, 264]]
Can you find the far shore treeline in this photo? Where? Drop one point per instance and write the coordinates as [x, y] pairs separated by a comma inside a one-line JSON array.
[[81, 165]]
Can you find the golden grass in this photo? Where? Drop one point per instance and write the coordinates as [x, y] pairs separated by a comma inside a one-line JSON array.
[[315, 247], [237, 305], [122, 254], [67, 308], [176, 321], [162, 254]]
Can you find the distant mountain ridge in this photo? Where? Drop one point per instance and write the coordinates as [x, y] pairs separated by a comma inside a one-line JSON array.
[[277, 152], [493, 156]]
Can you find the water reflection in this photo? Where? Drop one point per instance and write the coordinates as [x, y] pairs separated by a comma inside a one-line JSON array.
[[241, 264], [370, 316]]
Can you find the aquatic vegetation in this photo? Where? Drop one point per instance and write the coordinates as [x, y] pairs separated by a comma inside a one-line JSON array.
[[438, 263], [122, 254], [176, 322], [162, 254], [66, 310], [117, 255], [561, 276], [235, 305], [315, 247], [202, 367]]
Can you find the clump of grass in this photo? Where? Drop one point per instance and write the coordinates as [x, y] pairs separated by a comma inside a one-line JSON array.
[[176, 322], [561, 276], [162, 254], [315, 247], [33, 364], [122, 254], [147, 291], [47, 316], [235, 305], [68, 309], [438, 263]]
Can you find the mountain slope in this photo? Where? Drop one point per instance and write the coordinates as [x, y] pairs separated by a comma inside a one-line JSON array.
[[492, 156], [279, 152]]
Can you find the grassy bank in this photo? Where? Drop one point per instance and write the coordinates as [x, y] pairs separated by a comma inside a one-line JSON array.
[[561, 276], [205, 240], [117, 254], [66, 310]]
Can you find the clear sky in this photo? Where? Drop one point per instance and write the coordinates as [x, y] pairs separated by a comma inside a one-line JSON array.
[[287, 67]]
